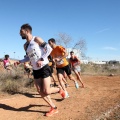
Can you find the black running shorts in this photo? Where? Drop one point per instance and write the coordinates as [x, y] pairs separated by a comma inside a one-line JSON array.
[[42, 73], [66, 69]]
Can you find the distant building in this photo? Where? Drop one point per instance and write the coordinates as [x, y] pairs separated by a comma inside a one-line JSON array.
[[106, 62], [113, 62], [99, 62], [84, 61]]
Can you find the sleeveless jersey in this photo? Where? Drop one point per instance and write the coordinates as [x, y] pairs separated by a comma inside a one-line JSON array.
[[74, 61], [6, 63], [35, 52]]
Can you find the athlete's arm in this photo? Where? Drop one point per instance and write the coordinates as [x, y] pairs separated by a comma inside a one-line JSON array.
[[77, 59], [46, 47], [64, 54], [26, 59], [70, 63]]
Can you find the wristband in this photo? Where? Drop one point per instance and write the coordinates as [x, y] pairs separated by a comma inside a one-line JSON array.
[[41, 59]]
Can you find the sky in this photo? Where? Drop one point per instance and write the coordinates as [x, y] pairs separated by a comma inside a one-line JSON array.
[[95, 21]]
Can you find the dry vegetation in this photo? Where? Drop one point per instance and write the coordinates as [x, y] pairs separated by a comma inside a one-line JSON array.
[[94, 69], [18, 82]]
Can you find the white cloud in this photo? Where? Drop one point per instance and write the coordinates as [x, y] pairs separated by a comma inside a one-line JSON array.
[[110, 48], [100, 31]]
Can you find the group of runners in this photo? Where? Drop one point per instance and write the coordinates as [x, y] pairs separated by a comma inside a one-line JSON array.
[[44, 57]]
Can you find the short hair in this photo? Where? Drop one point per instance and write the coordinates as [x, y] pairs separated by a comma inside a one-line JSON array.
[[71, 52], [26, 27], [52, 40], [6, 56]]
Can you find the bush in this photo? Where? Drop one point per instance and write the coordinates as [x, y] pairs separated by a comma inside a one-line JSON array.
[[11, 86], [15, 83]]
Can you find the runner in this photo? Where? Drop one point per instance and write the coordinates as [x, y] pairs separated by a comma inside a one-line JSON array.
[[75, 66], [37, 53], [27, 69], [59, 54], [7, 64], [52, 65]]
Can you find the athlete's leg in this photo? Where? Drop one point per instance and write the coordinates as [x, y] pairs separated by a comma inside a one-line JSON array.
[[70, 76], [53, 78], [60, 79], [60, 76], [49, 90], [65, 76], [46, 86], [39, 86], [65, 79], [78, 77]]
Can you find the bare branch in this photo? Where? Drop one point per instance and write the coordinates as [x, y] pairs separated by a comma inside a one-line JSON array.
[[63, 39], [81, 45]]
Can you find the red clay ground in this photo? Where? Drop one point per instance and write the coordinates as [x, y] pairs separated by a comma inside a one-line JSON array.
[[99, 99]]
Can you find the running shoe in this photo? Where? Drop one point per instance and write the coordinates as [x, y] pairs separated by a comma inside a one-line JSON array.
[[62, 93], [52, 111], [76, 85], [67, 95]]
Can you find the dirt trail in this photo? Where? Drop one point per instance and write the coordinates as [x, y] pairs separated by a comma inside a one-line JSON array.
[[99, 98]]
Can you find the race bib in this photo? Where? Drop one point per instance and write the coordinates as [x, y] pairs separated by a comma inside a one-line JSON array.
[[75, 64], [32, 55], [59, 62], [7, 64]]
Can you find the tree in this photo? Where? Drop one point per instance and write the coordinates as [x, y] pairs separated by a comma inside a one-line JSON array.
[[80, 45], [65, 40]]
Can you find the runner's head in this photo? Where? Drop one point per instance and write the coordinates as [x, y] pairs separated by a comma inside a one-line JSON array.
[[25, 30], [52, 42], [72, 53], [6, 57]]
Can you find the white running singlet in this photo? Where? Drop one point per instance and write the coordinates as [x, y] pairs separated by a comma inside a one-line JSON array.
[[35, 52]]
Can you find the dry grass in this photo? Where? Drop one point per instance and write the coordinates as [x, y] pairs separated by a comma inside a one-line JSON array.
[[15, 82], [100, 69], [18, 82]]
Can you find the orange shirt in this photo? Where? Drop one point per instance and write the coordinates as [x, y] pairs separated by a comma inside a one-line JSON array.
[[58, 52]]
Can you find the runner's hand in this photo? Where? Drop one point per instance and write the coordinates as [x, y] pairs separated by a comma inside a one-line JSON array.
[[16, 63], [39, 63], [57, 59]]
